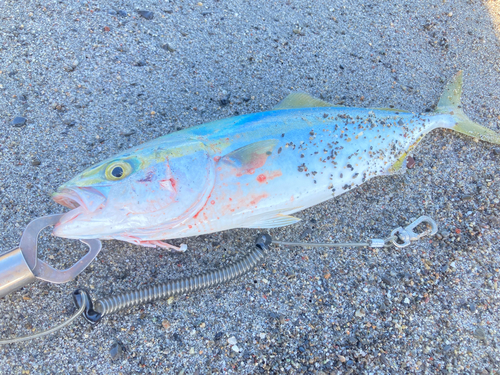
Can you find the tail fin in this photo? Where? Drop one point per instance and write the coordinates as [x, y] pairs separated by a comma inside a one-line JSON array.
[[450, 104]]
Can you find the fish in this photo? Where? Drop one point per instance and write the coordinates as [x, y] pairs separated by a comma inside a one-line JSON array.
[[249, 171]]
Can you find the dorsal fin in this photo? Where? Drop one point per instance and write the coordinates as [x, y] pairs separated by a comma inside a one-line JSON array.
[[301, 100], [391, 110]]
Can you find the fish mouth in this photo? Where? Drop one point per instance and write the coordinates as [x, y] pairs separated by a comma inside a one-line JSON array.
[[88, 198], [81, 200]]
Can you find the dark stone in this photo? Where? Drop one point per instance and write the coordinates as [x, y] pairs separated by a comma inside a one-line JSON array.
[[19, 121], [177, 337], [307, 232], [387, 280], [112, 12], [140, 63], [69, 122], [128, 133], [122, 13], [146, 14], [302, 349], [218, 336], [224, 101], [36, 162]]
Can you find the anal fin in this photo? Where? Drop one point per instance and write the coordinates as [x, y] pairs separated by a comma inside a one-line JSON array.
[[275, 221]]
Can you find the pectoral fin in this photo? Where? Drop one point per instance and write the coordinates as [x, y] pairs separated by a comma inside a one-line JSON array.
[[248, 158]]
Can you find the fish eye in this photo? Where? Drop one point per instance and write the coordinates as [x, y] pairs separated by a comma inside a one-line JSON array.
[[118, 170]]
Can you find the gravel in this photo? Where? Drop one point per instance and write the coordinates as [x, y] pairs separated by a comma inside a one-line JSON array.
[[95, 78]]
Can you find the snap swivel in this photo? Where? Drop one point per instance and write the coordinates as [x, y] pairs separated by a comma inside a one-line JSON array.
[[407, 234]]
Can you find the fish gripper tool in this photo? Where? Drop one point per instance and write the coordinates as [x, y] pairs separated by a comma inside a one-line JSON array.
[[21, 266]]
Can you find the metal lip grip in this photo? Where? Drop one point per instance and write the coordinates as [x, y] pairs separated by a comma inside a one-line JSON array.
[[20, 266]]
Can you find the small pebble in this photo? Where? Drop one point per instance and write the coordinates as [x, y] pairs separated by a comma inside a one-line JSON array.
[[232, 340], [122, 13], [19, 121], [410, 162], [168, 47], [116, 351], [480, 333], [360, 313]]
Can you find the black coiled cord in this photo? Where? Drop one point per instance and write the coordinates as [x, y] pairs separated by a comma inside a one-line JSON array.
[[172, 288]]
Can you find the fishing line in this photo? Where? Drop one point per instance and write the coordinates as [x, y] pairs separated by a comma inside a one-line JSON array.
[[94, 312]]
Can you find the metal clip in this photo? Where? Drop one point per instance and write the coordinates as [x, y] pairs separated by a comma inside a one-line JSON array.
[[407, 234], [20, 266], [376, 242]]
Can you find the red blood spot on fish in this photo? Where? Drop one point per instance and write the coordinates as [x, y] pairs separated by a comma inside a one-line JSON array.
[[257, 199], [212, 202], [216, 158], [190, 226], [261, 178], [168, 184]]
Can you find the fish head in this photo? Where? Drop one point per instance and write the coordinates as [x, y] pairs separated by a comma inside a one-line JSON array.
[[116, 194]]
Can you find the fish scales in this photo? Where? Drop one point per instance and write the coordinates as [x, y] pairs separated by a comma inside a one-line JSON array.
[[249, 171], [314, 159]]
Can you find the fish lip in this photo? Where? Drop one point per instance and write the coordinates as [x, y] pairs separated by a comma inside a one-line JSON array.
[[74, 197], [67, 198]]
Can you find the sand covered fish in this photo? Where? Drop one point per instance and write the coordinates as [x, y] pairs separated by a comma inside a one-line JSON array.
[[249, 171]]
